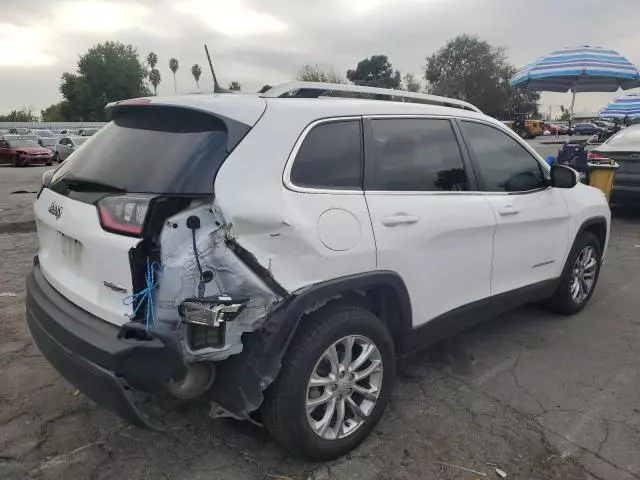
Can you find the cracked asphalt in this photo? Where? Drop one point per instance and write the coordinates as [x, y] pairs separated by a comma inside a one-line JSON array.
[[539, 395]]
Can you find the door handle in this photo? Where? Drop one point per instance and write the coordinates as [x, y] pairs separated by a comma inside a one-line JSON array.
[[399, 219], [508, 210]]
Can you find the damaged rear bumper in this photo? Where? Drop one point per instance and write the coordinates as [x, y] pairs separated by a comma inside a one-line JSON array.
[[105, 362]]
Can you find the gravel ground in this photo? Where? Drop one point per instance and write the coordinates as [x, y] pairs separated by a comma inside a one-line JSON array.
[[543, 396]]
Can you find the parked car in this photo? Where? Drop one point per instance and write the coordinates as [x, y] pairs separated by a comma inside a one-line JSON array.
[[66, 146], [555, 129], [21, 152], [624, 148], [40, 132], [586, 129], [87, 132], [285, 252], [603, 124], [48, 142]]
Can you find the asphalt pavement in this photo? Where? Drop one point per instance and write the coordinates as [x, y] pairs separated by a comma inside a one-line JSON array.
[[539, 395]]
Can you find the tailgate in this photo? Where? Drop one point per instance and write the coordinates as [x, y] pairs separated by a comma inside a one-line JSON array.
[[86, 264]]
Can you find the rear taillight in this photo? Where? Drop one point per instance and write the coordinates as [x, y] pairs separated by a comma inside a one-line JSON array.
[[596, 157], [124, 214]]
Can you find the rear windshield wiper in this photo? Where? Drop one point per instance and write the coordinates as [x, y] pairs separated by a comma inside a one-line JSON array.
[[78, 184]]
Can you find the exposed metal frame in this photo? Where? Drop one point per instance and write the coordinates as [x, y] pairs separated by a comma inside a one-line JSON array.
[[319, 89]]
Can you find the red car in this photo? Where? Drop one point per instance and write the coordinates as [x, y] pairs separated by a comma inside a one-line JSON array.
[[20, 152]]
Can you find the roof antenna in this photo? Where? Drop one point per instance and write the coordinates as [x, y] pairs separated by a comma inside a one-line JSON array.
[[216, 86]]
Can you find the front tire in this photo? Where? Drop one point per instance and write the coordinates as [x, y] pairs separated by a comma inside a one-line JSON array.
[[15, 161], [56, 157], [580, 275], [334, 385]]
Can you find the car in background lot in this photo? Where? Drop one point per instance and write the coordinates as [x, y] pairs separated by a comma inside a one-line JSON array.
[[23, 151], [66, 146], [87, 132], [586, 129], [603, 124], [555, 128], [67, 131], [624, 148]]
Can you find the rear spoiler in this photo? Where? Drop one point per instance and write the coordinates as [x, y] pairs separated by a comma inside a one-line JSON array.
[[236, 130]]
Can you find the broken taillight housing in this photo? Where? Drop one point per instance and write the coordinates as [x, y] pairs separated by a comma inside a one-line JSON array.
[[206, 319], [124, 214]]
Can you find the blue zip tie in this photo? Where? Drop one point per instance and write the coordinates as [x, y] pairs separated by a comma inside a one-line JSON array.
[[152, 277]]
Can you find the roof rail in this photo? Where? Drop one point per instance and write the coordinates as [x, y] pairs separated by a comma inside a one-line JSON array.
[[319, 89]]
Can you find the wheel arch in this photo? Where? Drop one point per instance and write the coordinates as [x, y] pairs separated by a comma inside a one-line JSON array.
[[596, 225], [240, 381], [383, 292]]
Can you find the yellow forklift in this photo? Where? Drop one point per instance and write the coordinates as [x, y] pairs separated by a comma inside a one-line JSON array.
[[526, 128]]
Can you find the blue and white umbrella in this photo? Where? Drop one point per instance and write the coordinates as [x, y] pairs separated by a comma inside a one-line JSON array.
[[580, 69], [621, 107]]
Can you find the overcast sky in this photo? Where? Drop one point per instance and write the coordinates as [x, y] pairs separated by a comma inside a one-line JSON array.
[[257, 42]]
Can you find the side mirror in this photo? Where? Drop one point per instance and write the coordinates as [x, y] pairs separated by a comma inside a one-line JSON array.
[[563, 177]]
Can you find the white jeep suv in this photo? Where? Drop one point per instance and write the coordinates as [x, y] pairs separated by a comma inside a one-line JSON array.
[[280, 253]]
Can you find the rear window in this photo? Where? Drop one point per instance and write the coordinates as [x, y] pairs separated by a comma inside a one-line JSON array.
[[152, 150], [628, 137]]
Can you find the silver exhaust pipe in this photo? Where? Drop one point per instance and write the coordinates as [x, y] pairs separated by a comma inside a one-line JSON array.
[[197, 381]]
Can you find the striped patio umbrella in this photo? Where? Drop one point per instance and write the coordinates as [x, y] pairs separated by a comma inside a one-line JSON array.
[[580, 69], [621, 107]]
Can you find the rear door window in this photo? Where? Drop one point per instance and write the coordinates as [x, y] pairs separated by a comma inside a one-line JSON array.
[[416, 154], [153, 150], [330, 157]]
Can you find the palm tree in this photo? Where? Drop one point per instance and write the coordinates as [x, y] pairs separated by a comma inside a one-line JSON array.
[[173, 65], [235, 86], [154, 78], [152, 60], [196, 71]]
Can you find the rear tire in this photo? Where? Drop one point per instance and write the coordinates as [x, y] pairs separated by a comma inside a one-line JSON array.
[[580, 275], [289, 412], [56, 157]]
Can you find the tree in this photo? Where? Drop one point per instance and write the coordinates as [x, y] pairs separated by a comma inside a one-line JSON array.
[[411, 83], [565, 114], [469, 69], [173, 65], [235, 86], [108, 72], [376, 71], [264, 88], [196, 71], [23, 115], [56, 112], [154, 79], [314, 73], [152, 60]]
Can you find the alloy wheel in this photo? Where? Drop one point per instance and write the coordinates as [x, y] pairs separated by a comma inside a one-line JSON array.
[[344, 387], [584, 274]]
